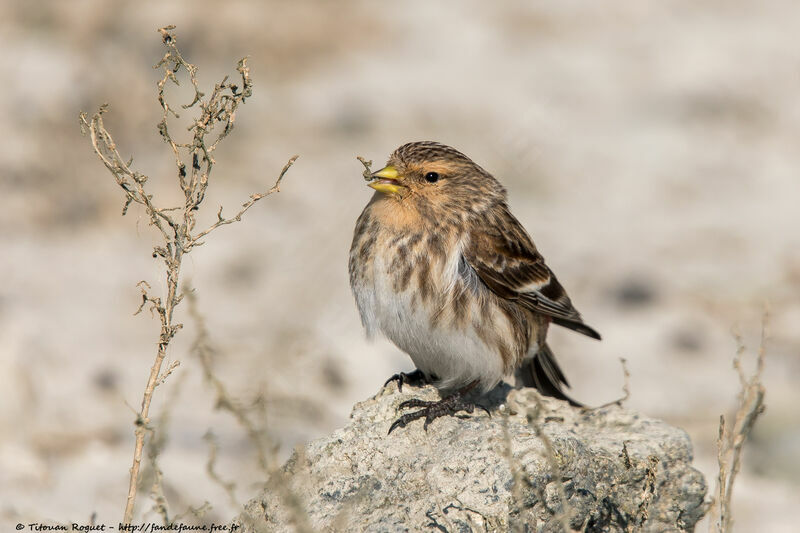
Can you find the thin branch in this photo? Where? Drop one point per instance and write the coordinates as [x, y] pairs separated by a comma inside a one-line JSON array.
[[266, 448], [626, 391], [228, 486], [202, 348], [195, 241], [216, 115], [367, 170], [163, 377], [565, 513], [732, 437], [517, 480]]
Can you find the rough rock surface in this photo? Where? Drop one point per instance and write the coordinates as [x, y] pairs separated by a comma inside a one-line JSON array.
[[619, 471]]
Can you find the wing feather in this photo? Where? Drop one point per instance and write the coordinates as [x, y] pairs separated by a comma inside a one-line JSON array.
[[503, 255]]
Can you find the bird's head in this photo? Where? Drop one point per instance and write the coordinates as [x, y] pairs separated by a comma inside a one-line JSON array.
[[431, 174]]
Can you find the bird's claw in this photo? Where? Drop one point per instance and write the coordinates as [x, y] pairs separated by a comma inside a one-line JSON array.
[[414, 402], [414, 379], [433, 410]]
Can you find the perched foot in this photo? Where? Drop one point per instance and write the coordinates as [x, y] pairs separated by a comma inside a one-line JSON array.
[[433, 410], [415, 379]]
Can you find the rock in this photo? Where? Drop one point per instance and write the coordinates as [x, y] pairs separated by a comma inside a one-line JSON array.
[[617, 470]]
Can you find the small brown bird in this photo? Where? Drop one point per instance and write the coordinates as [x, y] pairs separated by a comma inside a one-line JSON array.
[[441, 267]]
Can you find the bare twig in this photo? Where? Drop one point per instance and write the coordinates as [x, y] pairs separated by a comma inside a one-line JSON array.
[[228, 486], [517, 479], [626, 391], [202, 348], [196, 512], [214, 121], [565, 513], [367, 170], [155, 446], [163, 377], [732, 437], [266, 448], [195, 241], [157, 489], [294, 505]]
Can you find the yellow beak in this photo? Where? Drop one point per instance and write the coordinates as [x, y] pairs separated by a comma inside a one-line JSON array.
[[385, 181]]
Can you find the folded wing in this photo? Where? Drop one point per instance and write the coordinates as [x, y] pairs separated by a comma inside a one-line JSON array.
[[503, 255]]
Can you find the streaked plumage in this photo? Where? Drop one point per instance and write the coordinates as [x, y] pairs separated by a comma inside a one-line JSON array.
[[446, 272]]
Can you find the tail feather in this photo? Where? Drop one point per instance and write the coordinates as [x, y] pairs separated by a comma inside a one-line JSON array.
[[543, 373], [578, 326]]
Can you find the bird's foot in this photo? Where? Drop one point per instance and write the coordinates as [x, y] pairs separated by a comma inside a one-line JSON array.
[[415, 379], [433, 410]]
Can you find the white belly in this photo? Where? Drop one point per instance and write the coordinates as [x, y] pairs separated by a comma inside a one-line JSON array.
[[456, 355]]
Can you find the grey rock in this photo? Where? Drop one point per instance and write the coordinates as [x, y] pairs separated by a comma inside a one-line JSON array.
[[617, 470]]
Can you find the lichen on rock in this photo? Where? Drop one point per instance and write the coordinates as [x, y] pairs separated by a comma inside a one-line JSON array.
[[512, 471]]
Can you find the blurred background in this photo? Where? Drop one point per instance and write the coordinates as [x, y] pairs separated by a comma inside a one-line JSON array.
[[650, 149]]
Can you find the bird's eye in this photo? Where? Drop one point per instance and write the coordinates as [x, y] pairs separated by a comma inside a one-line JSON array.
[[432, 177]]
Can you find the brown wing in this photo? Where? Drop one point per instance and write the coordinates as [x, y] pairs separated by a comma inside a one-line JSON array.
[[506, 260]]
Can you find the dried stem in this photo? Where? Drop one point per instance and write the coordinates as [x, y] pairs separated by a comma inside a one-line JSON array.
[[211, 464], [731, 439], [565, 514], [367, 170], [215, 119], [626, 390], [195, 241], [154, 447], [202, 348], [517, 480], [266, 448]]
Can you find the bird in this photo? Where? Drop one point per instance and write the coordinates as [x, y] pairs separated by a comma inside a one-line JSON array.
[[441, 267]]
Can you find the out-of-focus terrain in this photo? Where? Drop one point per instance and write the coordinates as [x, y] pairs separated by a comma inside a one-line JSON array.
[[651, 150]]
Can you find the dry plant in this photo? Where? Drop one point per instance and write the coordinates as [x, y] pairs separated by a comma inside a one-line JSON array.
[[266, 450], [565, 513], [155, 445], [214, 120], [211, 469], [246, 416], [367, 170], [732, 437], [518, 478], [626, 389]]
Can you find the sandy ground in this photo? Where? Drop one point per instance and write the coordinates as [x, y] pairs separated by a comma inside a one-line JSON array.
[[652, 152]]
